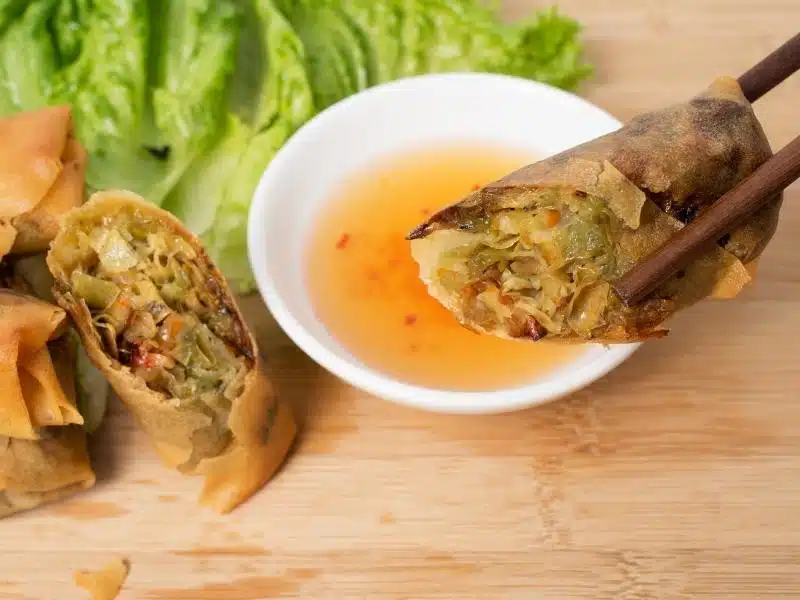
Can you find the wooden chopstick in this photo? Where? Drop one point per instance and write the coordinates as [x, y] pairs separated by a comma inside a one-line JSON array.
[[771, 71], [735, 206], [724, 215]]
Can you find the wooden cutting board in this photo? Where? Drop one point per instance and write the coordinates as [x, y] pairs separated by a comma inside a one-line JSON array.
[[677, 476]]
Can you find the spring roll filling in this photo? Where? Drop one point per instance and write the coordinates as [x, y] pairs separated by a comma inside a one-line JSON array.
[[160, 313], [535, 269]]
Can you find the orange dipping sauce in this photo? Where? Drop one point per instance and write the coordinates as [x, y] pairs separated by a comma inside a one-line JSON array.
[[365, 286]]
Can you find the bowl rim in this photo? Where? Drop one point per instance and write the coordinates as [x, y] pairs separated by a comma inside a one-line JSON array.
[[372, 381]]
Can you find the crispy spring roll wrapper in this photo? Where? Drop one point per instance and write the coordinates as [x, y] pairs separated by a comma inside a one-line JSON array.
[[37, 228], [37, 472], [43, 455], [31, 394], [157, 319], [42, 170], [532, 255]]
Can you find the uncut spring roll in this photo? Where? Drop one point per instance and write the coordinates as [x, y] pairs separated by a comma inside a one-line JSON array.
[[158, 320], [531, 255], [42, 170], [43, 455]]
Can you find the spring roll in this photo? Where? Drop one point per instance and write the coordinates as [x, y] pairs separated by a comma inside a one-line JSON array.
[[43, 455], [42, 170], [532, 255], [37, 228], [158, 320]]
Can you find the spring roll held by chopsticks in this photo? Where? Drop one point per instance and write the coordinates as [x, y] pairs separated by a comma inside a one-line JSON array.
[[43, 454], [531, 255], [158, 320], [41, 177]]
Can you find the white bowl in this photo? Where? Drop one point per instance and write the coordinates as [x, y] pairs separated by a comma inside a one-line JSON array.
[[391, 118]]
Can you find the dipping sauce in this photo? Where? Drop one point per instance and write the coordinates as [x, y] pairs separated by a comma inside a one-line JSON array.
[[365, 285]]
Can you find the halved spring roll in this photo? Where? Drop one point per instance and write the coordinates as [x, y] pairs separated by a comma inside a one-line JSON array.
[[157, 319], [532, 255]]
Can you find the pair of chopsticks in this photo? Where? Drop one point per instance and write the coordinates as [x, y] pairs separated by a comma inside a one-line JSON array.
[[771, 178]]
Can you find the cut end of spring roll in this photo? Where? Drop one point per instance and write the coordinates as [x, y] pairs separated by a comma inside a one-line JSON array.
[[532, 255], [156, 317]]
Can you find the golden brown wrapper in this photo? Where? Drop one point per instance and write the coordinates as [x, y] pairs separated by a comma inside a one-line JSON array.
[[260, 427], [105, 584], [36, 472], [43, 455], [30, 156], [42, 170], [37, 228], [31, 395], [656, 173]]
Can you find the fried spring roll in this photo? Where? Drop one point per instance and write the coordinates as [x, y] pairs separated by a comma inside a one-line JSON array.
[[158, 320], [531, 255], [42, 170], [43, 454]]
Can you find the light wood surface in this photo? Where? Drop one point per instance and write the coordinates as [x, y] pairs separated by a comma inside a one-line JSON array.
[[677, 476]]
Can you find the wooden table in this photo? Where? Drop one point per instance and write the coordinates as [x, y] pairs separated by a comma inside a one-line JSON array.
[[677, 476]]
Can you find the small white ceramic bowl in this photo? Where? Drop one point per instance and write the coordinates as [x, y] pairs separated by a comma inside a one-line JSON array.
[[412, 113]]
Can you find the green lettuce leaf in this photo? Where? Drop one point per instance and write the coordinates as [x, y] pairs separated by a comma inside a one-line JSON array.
[[336, 54], [379, 24], [10, 10], [286, 92], [199, 193], [196, 58], [226, 241], [69, 20], [28, 59], [196, 55], [546, 48], [106, 82]]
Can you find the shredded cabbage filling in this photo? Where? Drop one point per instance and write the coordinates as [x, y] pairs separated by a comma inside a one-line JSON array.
[[159, 311], [537, 270]]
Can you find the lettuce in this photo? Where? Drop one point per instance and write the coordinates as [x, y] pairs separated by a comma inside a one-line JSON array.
[[198, 194], [27, 60], [545, 48], [102, 74], [196, 57], [213, 198], [108, 94], [226, 241], [336, 57], [287, 91], [378, 23]]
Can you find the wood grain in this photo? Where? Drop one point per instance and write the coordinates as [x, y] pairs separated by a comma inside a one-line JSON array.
[[676, 477]]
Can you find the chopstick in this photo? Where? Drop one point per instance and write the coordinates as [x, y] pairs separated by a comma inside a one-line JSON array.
[[734, 207], [726, 214], [771, 71]]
